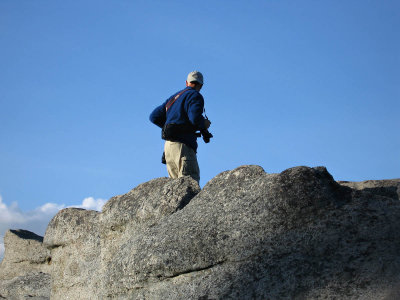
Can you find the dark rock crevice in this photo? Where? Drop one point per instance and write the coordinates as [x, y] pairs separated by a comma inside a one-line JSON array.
[[190, 271]]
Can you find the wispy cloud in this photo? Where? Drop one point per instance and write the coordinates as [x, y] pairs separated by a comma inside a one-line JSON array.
[[12, 217], [91, 203]]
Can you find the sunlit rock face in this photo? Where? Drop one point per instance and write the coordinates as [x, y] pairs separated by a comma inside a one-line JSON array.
[[246, 235], [25, 268]]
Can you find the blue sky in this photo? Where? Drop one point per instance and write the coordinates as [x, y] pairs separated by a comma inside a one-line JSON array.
[[287, 83]]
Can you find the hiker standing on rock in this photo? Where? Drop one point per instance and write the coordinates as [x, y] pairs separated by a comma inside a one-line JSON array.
[[180, 116]]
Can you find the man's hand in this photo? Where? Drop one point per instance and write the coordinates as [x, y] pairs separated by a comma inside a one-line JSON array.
[[207, 123]]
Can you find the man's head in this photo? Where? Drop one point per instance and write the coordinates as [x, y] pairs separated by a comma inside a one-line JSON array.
[[195, 80]]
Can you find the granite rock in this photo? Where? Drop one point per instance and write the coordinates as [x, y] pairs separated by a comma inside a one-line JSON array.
[[24, 270], [387, 188], [252, 235], [247, 234], [33, 285], [74, 240]]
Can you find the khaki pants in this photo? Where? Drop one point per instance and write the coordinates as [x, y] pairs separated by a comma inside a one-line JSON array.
[[181, 160]]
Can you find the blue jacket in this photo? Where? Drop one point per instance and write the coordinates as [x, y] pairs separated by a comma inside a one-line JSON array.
[[187, 109]]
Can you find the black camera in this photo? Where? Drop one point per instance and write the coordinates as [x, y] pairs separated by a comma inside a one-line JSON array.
[[206, 135]]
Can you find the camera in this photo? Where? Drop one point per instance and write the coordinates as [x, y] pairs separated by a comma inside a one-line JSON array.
[[205, 134]]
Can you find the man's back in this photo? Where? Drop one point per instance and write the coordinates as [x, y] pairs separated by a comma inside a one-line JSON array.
[[186, 110]]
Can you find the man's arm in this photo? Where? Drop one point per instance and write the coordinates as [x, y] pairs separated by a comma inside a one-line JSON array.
[[195, 108], [158, 116]]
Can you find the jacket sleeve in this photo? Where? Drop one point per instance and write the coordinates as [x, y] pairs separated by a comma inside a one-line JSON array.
[[194, 108], [158, 116]]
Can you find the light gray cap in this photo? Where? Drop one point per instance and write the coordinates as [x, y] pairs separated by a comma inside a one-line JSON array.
[[195, 76]]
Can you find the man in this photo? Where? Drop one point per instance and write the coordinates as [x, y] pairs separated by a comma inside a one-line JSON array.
[[180, 116]]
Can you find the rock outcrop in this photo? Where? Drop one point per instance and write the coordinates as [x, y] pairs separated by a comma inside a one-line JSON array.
[[25, 268], [246, 235], [386, 188]]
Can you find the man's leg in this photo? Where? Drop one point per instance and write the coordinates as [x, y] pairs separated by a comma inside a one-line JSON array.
[[172, 157], [181, 160], [188, 163]]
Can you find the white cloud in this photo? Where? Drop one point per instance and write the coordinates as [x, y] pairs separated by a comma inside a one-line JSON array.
[[91, 203], [12, 217]]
